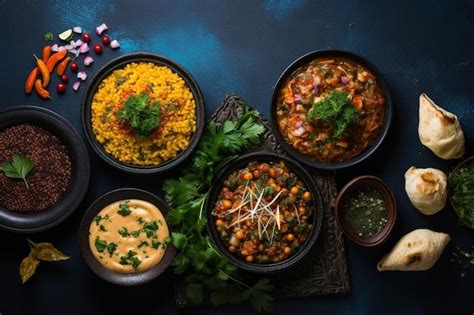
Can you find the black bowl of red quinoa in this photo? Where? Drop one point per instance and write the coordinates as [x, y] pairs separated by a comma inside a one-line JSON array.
[[306, 142], [60, 175], [299, 249]]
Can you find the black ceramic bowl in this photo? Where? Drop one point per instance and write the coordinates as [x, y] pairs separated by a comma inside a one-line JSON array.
[[29, 222], [109, 275], [119, 63], [332, 54], [316, 218]]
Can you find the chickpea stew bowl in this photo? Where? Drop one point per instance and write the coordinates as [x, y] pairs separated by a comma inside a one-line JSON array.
[[331, 109], [143, 113], [264, 212]]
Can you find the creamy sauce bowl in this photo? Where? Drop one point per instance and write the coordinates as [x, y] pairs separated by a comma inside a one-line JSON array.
[[124, 237]]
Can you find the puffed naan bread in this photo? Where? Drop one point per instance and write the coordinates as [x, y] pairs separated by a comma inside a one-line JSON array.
[[427, 189], [440, 130], [416, 251]]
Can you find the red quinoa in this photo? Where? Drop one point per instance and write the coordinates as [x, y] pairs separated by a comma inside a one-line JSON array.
[[50, 176]]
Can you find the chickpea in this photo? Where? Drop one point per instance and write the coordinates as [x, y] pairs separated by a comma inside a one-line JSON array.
[[277, 188], [249, 258], [264, 167], [232, 248], [290, 237], [301, 210], [294, 190], [272, 172], [256, 174], [248, 176], [227, 204], [225, 189], [239, 234], [244, 252], [284, 192], [287, 250], [219, 222], [307, 196], [261, 248], [270, 181]]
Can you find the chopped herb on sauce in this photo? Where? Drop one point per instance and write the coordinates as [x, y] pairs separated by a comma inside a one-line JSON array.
[[100, 245], [150, 228], [102, 228], [124, 231], [111, 248], [155, 244], [135, 233], [143, 243], [130, 259], [124, 209]]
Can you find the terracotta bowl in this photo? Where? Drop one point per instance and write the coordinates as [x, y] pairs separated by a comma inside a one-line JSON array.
[[387, 195], [464, 163]]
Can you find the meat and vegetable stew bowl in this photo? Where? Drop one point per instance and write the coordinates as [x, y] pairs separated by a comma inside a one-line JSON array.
[[331, 109], [264, 212]]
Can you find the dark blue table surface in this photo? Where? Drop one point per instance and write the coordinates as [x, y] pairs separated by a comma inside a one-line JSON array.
[[242, 47]]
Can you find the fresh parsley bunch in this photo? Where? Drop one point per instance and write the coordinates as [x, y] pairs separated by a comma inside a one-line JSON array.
[[337, 110], [207, 272]]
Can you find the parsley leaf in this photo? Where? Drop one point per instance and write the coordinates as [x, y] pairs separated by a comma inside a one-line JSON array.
[[111, 247], [124, 210], [336, 110], [142, 115], [48, 37], [123, 231], [18, 167], [100, 245], [150, 228]]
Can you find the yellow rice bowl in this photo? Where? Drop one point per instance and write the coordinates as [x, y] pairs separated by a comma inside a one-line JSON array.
[[178, 114]]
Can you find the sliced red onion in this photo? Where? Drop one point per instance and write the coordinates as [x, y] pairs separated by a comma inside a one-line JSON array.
[[61, 48], [114, 44], [75, 52], [88, 61], [101, 28], [69, 47], [76, 85], [55, 47], [78, 43], [297, 97], [77, 29], [82, 75], [345, 79], [84, 48]]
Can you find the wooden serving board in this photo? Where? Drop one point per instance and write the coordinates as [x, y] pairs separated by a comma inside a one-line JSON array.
[[324, 269]]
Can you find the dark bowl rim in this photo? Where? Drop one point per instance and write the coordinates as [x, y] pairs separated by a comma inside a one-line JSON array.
[[378, 184], [118, 63], [123, 279], [461, 164], [84, 164], [317, 216], [388, 113]]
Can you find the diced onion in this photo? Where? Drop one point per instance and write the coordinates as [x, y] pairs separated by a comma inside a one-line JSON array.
[[88, 61], [76, 85], [77, 29], [101, 28]]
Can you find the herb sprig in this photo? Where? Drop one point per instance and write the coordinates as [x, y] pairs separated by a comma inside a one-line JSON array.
[[337, 110], [205, 268], [18, 167], [462, 186], [142, 115]]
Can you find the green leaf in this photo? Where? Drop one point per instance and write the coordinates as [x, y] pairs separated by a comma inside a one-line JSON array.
[[48, 37], [124, 210], [100, 245], [111, 247], [194, 292], [179, 240], [337, 110], [142, 115], [150, 228], [18, 167]]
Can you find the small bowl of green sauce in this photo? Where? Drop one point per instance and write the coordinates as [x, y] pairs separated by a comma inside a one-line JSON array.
[[366, 210]]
